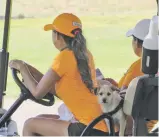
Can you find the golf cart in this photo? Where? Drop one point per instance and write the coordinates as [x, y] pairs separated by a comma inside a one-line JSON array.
[[141, 95]]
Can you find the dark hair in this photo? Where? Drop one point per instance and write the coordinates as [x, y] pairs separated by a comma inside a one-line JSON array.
[[139, 41], [79, 48]]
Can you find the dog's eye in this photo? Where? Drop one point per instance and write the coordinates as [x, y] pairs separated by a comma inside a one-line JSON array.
[[108, 94], [101, 94]]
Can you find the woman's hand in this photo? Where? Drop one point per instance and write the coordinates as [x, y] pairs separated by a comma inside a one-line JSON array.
[[16, 64]]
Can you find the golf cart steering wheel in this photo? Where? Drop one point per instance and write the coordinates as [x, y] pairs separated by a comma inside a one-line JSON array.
[[47, 100]]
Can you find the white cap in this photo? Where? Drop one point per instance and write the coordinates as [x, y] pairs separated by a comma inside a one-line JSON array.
[[151, 40], [140, 30]]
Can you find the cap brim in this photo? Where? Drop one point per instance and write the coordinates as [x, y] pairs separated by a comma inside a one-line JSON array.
[[48, 27], [130, 33]]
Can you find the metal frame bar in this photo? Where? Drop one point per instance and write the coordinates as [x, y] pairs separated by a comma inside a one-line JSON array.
[[12, 109], [7, 25], [4, 55], [96, 121]]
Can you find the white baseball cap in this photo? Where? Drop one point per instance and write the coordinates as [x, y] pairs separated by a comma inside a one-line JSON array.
[[140, 30], [151, 40]]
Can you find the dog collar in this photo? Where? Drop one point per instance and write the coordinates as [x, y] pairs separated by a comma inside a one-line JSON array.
[[117, 108]]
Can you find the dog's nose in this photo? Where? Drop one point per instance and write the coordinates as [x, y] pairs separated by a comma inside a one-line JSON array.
[[104, 100]]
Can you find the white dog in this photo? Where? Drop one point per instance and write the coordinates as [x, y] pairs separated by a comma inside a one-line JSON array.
[[109, 99]]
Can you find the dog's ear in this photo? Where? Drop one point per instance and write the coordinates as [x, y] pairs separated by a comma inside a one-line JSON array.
[[96, 90], [114, 88], [103, 82]]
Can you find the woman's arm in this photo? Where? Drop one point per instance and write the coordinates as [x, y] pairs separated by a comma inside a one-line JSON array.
[[37, 75], [46, 83], [34, 72]]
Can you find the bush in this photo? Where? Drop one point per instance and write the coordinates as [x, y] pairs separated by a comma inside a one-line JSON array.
[[21, 16]]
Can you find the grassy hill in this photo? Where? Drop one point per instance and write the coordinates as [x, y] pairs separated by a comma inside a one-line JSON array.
[[43, 8]]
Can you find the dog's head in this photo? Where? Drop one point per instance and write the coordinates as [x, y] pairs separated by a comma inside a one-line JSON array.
[[105, 94]]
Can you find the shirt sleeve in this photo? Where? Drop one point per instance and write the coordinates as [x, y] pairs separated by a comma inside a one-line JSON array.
[[59, 64], [133, 72], [128, 78]]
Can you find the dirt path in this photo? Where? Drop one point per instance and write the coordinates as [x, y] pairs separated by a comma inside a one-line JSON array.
[[29, 109]]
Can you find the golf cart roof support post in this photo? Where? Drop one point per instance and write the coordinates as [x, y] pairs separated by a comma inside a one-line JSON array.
[[4, 55], [7, 25], [157, 7]]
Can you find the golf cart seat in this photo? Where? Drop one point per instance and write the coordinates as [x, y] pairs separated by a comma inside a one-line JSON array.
[[141, 102], [141, 99]]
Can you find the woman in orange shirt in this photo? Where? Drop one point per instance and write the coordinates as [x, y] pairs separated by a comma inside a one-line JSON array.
[[139, 33], [71, 77]]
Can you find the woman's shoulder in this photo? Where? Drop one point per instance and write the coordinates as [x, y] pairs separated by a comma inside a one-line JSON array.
[[65, 54], [135, 67], [137, 64], [89, 53], [68, 52]]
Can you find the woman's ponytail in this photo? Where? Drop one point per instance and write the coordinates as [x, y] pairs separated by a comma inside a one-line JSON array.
[[79, 48]]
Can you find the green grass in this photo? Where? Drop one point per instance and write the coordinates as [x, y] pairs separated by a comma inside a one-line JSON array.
[[105, 37]]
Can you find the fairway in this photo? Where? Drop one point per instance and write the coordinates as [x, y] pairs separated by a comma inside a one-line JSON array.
[[105, 38]]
